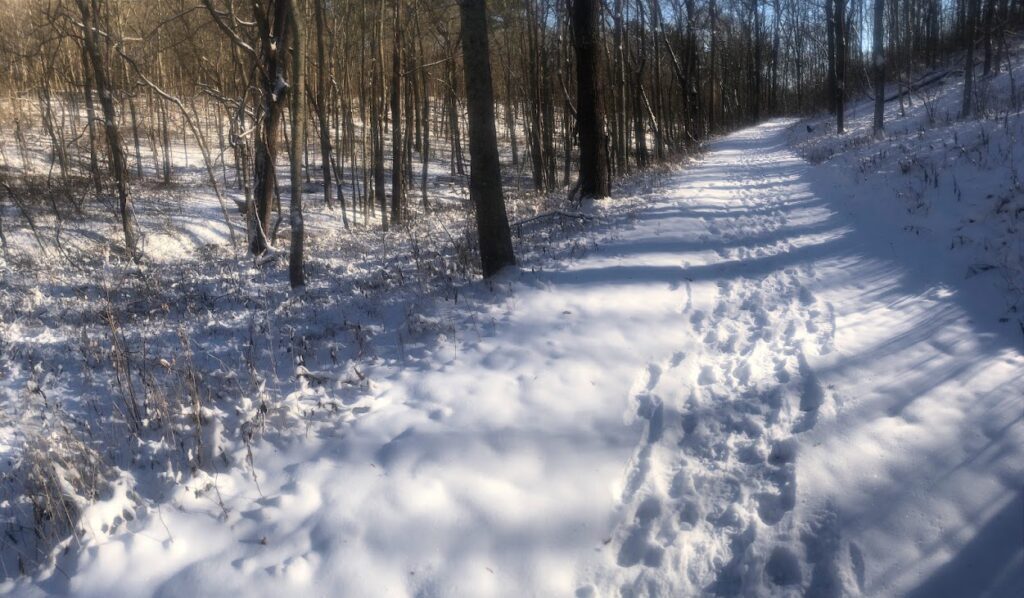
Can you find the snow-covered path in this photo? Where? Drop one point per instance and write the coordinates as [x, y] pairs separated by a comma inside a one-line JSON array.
[[843, 417], [744, 391]]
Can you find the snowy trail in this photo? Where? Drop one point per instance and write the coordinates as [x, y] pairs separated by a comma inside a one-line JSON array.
[[709, 489], [742, 392], [843, 420]]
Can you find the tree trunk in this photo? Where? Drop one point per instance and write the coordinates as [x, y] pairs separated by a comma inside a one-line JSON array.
[[425, 150], [755, 72], [621, 155], [713, 66], [377, 130], [296, 272], [321, 102], [90, 116], [878, 57], [273, 39], [839, 14], [397, 149], [972, 21], [485, 170], [118, 164], [830, 35], [590, 100], [990, 10]]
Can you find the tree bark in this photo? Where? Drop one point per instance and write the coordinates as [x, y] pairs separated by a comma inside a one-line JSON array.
[[397, 167], [594, 179], [321, 103], [118, 164], [296, 258], [485, 171], [971, 34], [90, 116], [878, 57], [376, 108], [274, 27], [990, 11]]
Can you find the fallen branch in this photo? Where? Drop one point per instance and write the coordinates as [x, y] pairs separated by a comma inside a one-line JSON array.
[[920, 83], [553, 213]]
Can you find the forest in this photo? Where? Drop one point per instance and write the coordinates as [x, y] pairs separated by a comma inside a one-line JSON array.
[[581, 93], [438, 247]]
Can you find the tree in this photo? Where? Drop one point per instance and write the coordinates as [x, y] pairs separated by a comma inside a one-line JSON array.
[[990, 11], [838, 14], [296, 273], [594, 177], [320, 105], [971, 34], [397, 169], [90, 10], [376, 110], [668, 74], [878, 58], [485, 190], [272, 23], [755, 71]]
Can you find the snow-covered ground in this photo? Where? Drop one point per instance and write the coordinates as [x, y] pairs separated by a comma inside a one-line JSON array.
[[747, 388], [755, 375]]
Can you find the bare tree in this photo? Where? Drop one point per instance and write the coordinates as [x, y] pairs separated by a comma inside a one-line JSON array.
[[878, 58], [296, 272], [273, 26], [485, 190], [90, 10], [594, 177], [320, 103], [971, 39], [397, 169]]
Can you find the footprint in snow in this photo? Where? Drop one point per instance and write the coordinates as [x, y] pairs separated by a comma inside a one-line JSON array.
[[812, 394], [729, 581], [823, 546], [783, 567], [637, 546], [772, 506]]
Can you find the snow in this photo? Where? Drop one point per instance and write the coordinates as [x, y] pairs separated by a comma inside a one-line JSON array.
[[758, 377]]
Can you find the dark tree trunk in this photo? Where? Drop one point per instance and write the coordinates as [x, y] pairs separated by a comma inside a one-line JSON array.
[[376, 127], [621, 156], [296, 258], [485, 170], [776, 34], [839, 65], [397, 149], [990, 11], [273, 26], [639, 131], [321, 102], [878, 57], [425, 150], [971, 34], [830, 35], [755, 71], [1004, 16], [713, 66], [594, 180]]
